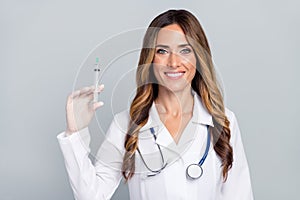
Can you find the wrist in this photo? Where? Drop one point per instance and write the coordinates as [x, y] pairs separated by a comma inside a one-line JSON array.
[[69, 132]]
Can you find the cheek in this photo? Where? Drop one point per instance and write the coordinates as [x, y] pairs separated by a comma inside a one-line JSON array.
[[191, 65], [191, 74], [192, 68], [156, 70], [190, 61], [159, 60]]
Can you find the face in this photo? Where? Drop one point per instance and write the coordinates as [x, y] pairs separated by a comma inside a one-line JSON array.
[[174, 63]]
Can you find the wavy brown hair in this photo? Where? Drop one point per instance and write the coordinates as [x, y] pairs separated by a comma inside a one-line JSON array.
[[204, 84]]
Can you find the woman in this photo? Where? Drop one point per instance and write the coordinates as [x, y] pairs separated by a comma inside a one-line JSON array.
[[179, 103]]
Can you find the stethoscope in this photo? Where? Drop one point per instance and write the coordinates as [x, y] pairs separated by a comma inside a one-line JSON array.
[[193, 171]]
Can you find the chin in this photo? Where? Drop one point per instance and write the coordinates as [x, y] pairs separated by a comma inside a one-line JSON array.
[[177, 88]]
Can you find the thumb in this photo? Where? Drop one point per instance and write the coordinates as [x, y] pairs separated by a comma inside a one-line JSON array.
[[97, 105]]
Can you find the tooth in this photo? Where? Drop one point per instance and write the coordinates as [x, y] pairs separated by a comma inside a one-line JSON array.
[[174, 74]]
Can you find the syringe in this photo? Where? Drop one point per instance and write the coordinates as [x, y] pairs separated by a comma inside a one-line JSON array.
[[97, 73]]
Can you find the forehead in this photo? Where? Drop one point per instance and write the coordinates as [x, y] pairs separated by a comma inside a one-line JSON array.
[[171, 35]]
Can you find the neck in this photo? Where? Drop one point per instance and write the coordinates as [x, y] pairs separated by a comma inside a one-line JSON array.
[[174, 103]]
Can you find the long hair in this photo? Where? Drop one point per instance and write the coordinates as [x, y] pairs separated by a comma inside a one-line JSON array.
[[204, 84]]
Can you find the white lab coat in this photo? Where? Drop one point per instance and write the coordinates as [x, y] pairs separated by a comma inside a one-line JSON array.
[[99, 181]]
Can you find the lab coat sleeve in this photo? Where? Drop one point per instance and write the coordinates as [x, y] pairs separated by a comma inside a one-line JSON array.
[[92, 181], [238, 183]]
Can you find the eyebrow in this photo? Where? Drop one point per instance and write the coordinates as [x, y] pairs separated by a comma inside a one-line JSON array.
[[166, 46]]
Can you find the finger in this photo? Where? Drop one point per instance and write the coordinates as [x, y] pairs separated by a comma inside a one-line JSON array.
[[90, 90], [99, 89], [73, 95], [84, 90], [97, 105]]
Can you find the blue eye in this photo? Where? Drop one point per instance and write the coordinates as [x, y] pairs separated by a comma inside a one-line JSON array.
[[161, 51], [186, 51]]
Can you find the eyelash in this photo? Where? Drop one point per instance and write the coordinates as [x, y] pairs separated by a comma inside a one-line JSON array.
[[184, 51], [159, 51]]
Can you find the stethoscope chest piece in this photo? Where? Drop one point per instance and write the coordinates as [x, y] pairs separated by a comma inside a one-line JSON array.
[[194, 171]]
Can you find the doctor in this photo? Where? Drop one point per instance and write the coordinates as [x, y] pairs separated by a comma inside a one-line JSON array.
[[177, 141]]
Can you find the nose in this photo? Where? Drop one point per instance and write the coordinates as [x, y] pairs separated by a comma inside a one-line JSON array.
[[174, 60]]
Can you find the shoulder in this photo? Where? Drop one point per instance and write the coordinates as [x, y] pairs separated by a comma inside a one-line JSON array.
[[121, 120], [234, 126], [230, 115], [118, 128]]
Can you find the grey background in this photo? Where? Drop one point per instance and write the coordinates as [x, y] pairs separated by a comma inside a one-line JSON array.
[[255, 45]]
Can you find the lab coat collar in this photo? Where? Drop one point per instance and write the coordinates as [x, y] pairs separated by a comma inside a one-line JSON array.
[[200, 116], [153, 119], [200, 113]]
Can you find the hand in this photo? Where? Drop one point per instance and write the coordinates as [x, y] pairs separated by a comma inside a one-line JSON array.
[[80, 108]]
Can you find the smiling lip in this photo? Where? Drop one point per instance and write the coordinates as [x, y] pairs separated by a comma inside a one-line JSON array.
[[174, 75]]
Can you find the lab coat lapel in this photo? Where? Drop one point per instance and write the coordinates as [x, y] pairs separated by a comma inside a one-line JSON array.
[[148, 145], [190, 131], [164, 139], [203, 116], [146, 140], [200, 117]]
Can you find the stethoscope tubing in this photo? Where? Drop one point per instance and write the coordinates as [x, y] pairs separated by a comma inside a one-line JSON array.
[[197, 167]]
